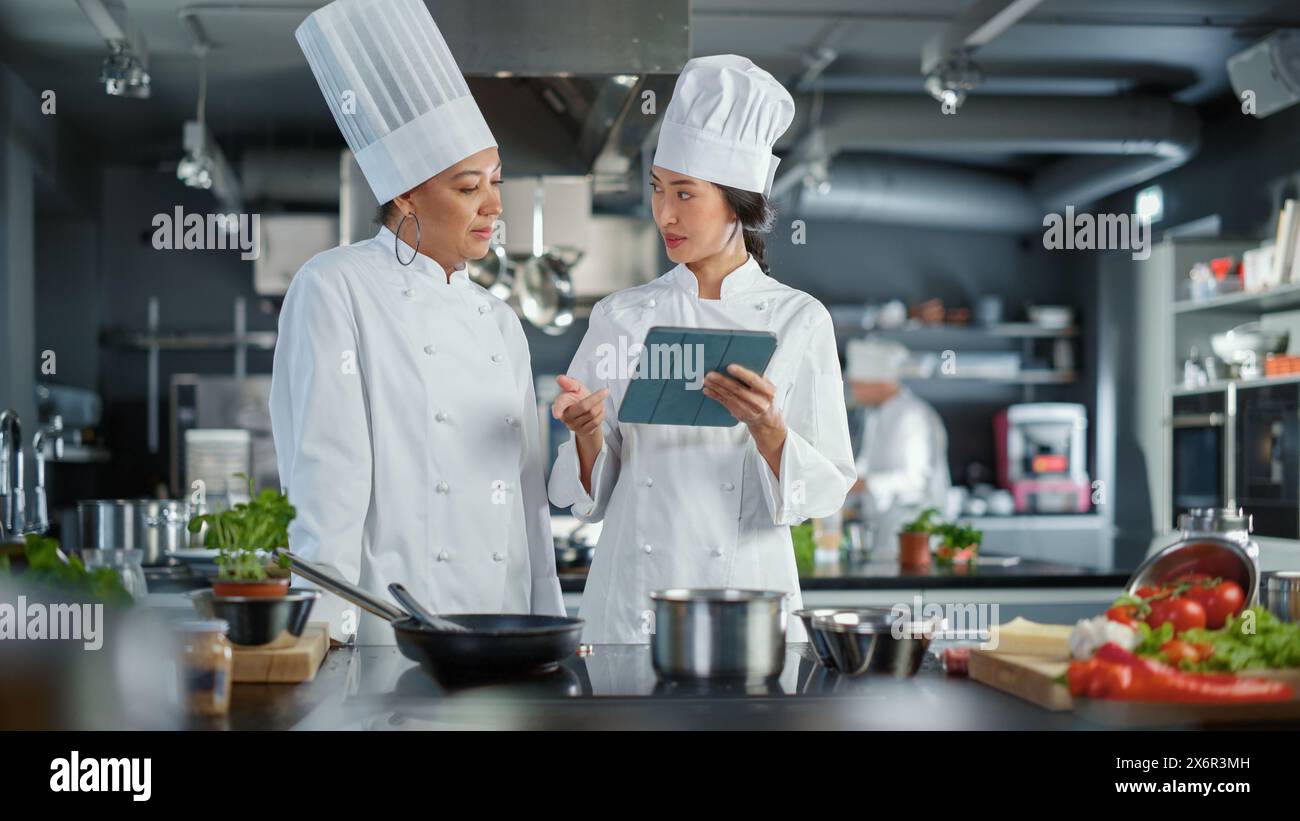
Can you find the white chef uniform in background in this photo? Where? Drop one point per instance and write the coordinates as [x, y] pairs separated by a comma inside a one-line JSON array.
[[903, 456], [700, 507], [402, 404]]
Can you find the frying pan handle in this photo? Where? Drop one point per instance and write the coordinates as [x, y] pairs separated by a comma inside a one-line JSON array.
[[347, 590]]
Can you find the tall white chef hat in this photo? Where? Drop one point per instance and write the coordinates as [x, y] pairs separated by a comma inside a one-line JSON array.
[[725, 115], [394, 89], [873, 359]]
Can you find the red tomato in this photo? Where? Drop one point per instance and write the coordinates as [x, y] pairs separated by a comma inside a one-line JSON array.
[[1177, 651], [1221, 601], [1182, 612], [1147, 592], [1123, 613]]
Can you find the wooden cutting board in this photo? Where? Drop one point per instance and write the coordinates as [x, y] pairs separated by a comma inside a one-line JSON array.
[[288, 660], [1033, 678]]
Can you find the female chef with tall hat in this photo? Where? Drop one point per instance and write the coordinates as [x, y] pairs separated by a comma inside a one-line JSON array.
[[402, 399], [696, 506]]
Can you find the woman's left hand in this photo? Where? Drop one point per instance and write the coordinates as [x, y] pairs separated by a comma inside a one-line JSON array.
[[749, 396]]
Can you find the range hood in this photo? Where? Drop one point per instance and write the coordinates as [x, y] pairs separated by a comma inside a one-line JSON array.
[[563, 90]]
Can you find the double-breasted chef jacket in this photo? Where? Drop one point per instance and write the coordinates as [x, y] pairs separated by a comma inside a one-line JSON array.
[[406, 434], [695, 506]]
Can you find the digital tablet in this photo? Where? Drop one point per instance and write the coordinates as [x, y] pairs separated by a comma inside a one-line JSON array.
[[667, 385]]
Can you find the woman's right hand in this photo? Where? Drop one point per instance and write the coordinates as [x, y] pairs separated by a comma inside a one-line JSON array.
[[581, 411]]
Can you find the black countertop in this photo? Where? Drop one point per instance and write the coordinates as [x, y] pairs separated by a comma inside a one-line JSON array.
[[376, 688], [869, 575]]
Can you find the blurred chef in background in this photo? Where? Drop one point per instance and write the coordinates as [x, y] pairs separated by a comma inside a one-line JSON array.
[[903, 460], [402, 399]]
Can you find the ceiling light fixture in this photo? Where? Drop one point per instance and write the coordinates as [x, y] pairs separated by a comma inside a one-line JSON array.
[[125, 72], [950, 81]]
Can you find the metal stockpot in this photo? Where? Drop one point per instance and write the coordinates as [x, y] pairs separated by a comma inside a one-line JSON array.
[[720, 633], [155, 526]]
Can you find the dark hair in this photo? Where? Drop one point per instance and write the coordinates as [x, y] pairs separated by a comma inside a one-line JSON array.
[[385, 212], [756, 217]]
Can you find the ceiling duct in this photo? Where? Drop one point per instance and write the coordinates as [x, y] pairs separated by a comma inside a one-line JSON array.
[[1114, 142]]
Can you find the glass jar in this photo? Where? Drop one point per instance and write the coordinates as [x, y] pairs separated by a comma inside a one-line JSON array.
[[128, 564], [206, 666]]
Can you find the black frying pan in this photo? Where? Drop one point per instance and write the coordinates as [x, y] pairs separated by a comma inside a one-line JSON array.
[[495, 646]]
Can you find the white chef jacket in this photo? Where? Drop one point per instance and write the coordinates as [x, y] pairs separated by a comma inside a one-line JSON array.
[[696, 506], [406, 434], [904, 461]]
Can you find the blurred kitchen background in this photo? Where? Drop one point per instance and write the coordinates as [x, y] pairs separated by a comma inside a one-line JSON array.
[[144, 369]]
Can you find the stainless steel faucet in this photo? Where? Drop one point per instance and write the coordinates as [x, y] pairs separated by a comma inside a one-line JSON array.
[[13, 496], [54, 432]]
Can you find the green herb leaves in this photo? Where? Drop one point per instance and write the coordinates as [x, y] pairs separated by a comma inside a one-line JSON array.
[[247, 532], [46, 569]]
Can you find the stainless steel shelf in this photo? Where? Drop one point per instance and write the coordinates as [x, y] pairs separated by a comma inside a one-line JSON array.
[[1222, 385], [1004, 330], [1023, 378], [136, 340], [1281, 298]]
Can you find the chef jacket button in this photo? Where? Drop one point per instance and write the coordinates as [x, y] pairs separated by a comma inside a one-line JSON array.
[[496, 357], [512, 421], [442, 487], [482, 309], [717, 552], [762, 306], [649, 482], [497, 557], [443, 557], [440, 416], [409, 292], [647, 548], [650, 304], [728, 486], [429, 349]]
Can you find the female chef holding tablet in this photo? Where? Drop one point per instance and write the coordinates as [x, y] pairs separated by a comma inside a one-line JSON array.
[[706, 506], [402, 394]]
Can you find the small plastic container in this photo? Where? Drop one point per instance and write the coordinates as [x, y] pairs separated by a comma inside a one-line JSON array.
[[206, 666]]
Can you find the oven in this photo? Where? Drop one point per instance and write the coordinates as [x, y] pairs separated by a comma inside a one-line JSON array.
[[1202, 437], [1268, 457]]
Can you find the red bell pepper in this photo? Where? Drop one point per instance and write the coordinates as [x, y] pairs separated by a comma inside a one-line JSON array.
[[1115, 673]]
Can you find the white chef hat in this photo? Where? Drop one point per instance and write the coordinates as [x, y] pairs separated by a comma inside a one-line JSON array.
[[725, 115], [873, 359], [394, 89]]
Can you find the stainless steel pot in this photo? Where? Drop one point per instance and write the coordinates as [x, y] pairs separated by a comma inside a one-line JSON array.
[[1283, 597], [720, 633], [156, 526]]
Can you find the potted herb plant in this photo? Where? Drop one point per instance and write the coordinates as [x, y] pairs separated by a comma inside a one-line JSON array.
[[959, 545], [244, 537], [914, 540]]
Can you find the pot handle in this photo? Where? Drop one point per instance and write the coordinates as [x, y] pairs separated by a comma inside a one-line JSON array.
[[164, 519], [328, 581]]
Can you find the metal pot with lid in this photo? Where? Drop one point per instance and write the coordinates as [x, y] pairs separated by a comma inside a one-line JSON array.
[[1210, 540], [159, 527]]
